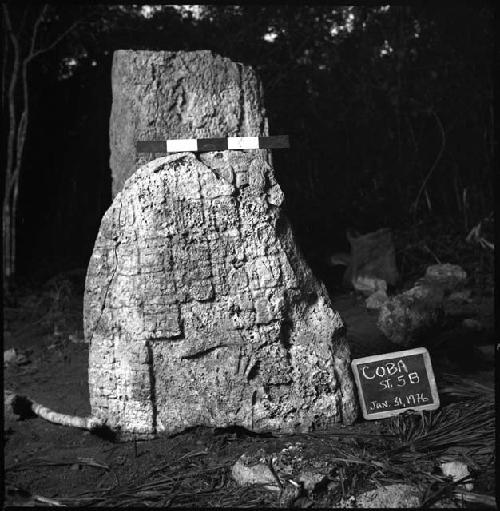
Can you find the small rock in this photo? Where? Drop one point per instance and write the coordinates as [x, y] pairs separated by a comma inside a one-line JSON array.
[[332, 486], [432, 294], [404, 319], [457, 470], [395, 495], [461, 296], [290, 493], [9, 400], [448, 503], [472, 324], [349, 502], [14, 356], [9, 356], [303, 502], [312, 479], [369, 285], [376, 300], [23, 358], [459, 453], [259, 473], [448, 276]]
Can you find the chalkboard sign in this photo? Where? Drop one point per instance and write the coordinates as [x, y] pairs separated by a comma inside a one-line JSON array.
[[393, 383]]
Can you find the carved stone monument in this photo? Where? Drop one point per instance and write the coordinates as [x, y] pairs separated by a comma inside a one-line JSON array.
[[199, 308], [162, 94]]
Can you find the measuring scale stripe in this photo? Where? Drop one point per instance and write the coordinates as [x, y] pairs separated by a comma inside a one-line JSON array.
[[212, 144]]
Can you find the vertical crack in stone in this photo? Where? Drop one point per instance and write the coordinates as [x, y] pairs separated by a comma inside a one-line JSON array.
[[338, 382], [286, 327], [254, 401], [152, 386], [103, 304], [241, 119]]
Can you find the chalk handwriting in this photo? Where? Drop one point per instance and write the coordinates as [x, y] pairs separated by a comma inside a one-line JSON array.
[[388, 369]]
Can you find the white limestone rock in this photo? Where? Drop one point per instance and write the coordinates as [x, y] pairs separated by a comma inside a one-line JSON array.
[[200, 310]]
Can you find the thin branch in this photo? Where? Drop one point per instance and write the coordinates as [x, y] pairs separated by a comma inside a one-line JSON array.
[[12, 105], [34, 34], [21, 135], [434, 165], [23, 123], [54, 43], [22, 127], [4, 65], [13, 228]]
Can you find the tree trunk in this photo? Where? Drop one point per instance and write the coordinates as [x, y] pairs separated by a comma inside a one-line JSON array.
[[10, 156]]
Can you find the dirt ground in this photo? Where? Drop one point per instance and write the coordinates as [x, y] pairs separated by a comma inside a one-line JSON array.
[[61, 463]]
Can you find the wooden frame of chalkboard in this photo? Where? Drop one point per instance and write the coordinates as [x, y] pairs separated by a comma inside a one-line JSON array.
[[394, 383]]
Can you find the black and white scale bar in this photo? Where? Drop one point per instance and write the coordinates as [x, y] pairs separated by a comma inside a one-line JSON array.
[[212, 144]]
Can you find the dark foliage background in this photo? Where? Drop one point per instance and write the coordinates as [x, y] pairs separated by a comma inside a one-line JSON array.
[[389, 109]]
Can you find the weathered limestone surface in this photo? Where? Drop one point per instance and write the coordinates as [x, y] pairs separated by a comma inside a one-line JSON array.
[[200, 310], [407, 317], [160, 94]]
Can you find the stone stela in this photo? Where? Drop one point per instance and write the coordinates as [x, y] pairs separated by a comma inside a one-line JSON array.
[[199, 308]]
